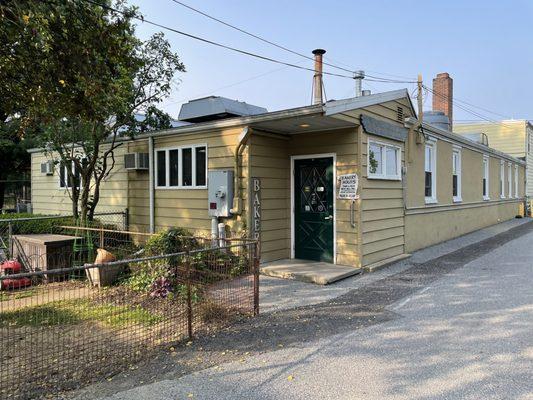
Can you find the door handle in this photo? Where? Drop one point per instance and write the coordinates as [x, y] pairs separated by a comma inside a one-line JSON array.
[[329, 217]]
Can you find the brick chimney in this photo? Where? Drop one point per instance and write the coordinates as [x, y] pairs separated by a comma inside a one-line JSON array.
[[443, 95]]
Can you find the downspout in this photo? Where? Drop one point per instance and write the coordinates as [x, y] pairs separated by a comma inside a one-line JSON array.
[[151, 182], [360, 132], [237, 200]]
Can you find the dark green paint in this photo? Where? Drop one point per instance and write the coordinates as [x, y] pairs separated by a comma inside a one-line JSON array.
[[313, 209]]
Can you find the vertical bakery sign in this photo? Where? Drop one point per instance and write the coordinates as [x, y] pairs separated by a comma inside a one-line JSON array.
[[256, 208]]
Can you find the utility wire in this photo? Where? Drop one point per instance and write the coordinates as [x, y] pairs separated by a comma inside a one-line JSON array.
[[385, 80], [228, 86], [468, 110], [478, 107], [201, 39]]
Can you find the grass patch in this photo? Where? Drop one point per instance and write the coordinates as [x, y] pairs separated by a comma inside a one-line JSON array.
[[71, 312], [16, 295]]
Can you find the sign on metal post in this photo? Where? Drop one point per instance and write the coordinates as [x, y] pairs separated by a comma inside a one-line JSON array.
[[348, 187], [256, 209]]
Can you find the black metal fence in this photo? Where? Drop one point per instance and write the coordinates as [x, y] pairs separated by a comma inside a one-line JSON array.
[[63, 328]]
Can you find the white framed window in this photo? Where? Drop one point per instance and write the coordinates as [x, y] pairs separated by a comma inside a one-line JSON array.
[[430, 169], [67, 181], [384, 161], [509, 180], [516, 181], [502, 179], [486, 195], [456, 174], [183, 167]]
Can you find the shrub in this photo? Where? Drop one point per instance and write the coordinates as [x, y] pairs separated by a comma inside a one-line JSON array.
[[35, 224], [157, 276], [172, 240]]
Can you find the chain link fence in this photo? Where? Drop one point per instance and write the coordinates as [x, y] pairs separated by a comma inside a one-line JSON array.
[[14, 242], [62, 328]]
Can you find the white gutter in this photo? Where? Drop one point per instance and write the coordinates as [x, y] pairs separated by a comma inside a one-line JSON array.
[[151, 185]]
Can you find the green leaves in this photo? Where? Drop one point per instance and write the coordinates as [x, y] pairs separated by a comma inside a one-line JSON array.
[[79, 71]]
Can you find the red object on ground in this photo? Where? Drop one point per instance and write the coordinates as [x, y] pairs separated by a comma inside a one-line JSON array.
[[12, 267]]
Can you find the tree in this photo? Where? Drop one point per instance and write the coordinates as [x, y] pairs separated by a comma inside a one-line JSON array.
[[89, 76], [14, 157]]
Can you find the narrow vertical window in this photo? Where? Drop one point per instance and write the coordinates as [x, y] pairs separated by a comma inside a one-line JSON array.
[[509, 180], [174, 167], [430, 190], [486, 178], [62, 175], [186, 166], [161, 168], [516, 181], [201, 164], [502, 179], [375, 158], [456, 175]]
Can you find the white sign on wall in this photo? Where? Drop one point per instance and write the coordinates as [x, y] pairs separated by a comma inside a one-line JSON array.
[[348, 187]]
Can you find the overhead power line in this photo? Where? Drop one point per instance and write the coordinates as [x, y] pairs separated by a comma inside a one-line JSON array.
[[201, 39], [464, 108], [279, 46], [228, 86]]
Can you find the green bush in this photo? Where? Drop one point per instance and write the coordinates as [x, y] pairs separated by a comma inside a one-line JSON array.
[[172, 240], [35, 225], [144, 274]]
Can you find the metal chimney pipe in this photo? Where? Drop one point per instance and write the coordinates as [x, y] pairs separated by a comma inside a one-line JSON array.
[[359, 76], [317, 78]]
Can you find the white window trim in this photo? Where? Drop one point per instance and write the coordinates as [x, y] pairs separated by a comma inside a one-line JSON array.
[[486, 175], [180, 176], [431, 142], [502, 179], [516, 181], [510, 180], [384, 176], [66, 187], [457, 151]]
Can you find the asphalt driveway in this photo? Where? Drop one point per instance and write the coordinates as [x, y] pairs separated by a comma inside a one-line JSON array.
[[459, 326]]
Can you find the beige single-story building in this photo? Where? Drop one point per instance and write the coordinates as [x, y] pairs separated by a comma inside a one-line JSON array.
[[351, 182]]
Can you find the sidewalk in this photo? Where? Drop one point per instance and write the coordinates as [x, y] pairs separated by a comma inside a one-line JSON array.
[[280, 294]]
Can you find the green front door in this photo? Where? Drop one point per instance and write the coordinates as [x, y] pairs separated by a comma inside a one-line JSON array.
[[313, 209]]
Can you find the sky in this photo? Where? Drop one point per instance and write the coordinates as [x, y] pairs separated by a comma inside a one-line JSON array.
[[486, 46]]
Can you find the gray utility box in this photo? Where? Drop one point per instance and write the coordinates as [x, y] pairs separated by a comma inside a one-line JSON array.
[[220, 193]]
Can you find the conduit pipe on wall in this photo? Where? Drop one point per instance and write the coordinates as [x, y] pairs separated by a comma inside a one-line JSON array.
[[237, 199], [151, 182]]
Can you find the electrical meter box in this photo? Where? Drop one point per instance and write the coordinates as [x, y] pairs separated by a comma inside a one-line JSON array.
[[220, 193]]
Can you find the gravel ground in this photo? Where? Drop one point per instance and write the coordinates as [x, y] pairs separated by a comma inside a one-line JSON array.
[[279, 341]]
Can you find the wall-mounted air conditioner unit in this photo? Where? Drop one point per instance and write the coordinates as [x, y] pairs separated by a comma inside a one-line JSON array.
[[136, 161], [47, 168]]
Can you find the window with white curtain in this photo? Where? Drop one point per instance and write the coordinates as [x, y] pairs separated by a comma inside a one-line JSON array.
[[384, 161], [486, 195], [516, 181], [430, 172], [456, 174], [509, 180], [502, 179]]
